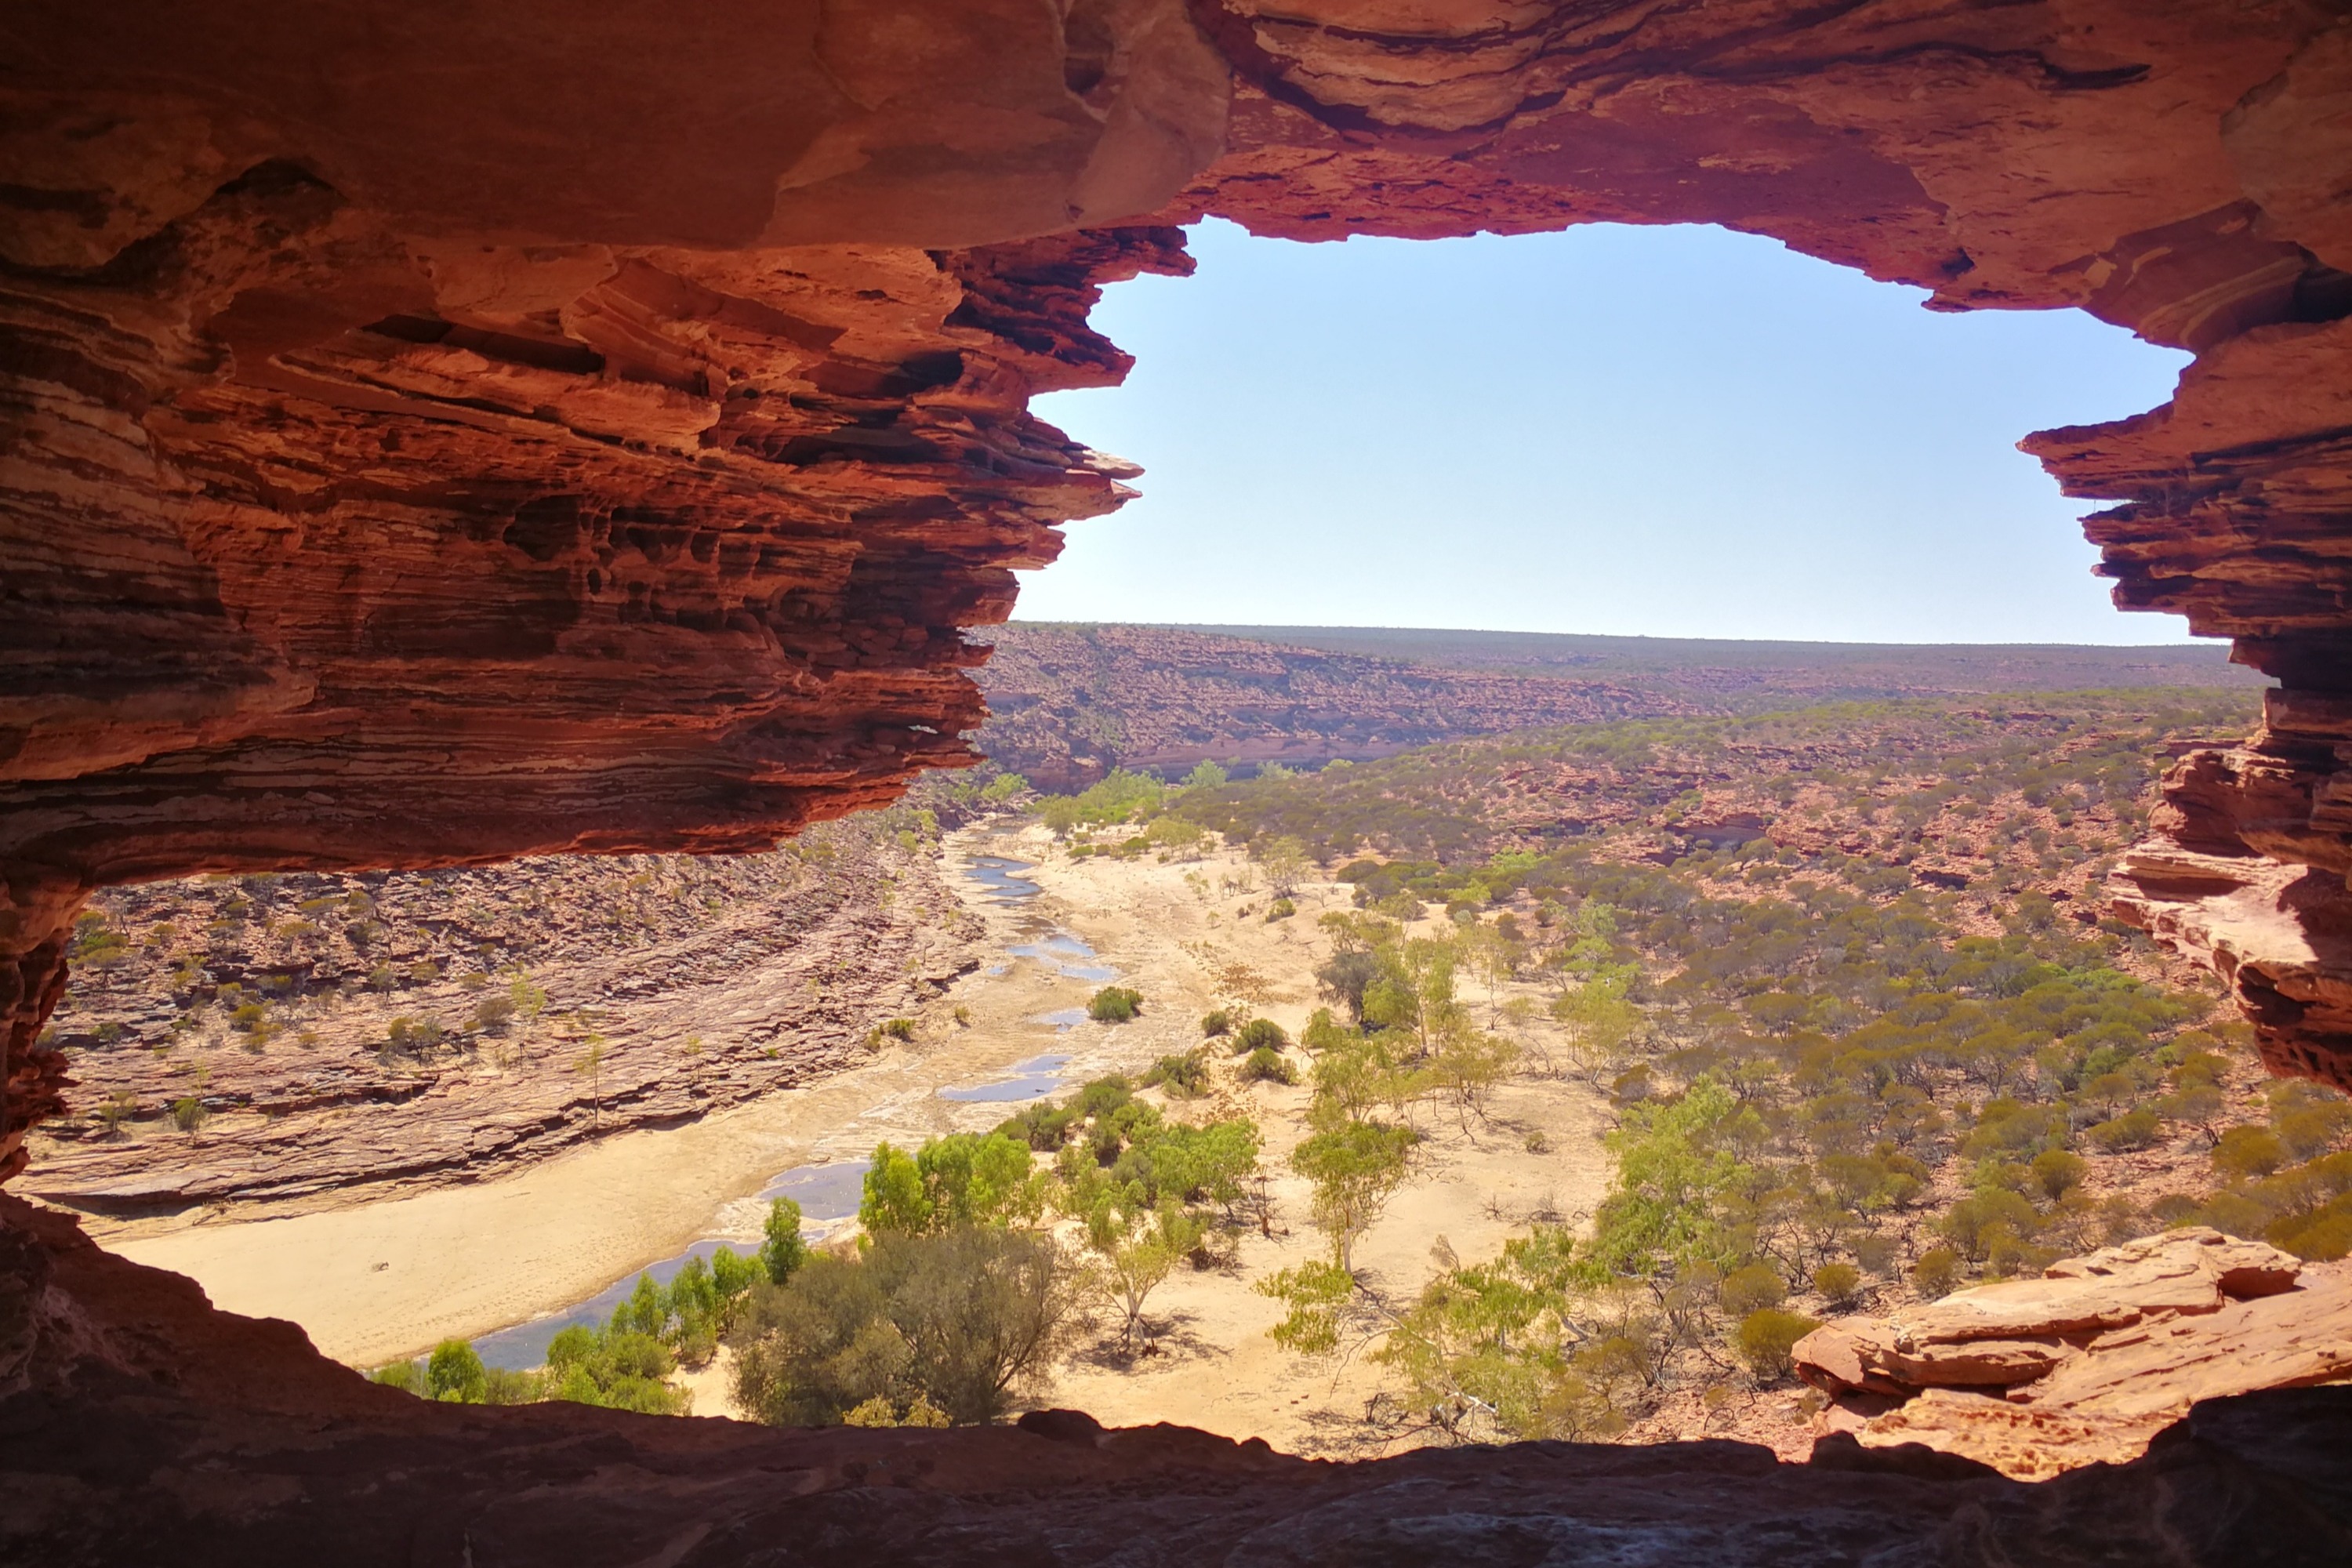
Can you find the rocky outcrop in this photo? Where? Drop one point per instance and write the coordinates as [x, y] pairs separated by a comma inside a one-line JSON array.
[[2249, 874], [122, 1395], [295, 1038], [2088, 1363]]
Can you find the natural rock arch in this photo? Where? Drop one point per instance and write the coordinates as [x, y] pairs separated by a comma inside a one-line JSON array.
[[438, 437], [433, 434]]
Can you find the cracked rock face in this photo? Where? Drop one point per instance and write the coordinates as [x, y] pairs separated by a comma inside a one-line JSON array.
[[436, 438]]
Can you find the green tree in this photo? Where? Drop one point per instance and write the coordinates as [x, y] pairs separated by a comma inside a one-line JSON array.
[[896, 1201], [783, 1251], [454, 1373], [590, 1065], [1355, 1169], [1287, 864]]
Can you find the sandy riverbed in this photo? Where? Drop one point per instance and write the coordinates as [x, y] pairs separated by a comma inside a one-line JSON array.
[[372, 1281]]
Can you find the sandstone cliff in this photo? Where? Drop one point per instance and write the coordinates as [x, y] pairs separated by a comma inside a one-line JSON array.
[[282, 1039], [440, 440]]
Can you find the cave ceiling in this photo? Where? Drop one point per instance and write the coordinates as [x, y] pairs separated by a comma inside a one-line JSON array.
[[431, 434]]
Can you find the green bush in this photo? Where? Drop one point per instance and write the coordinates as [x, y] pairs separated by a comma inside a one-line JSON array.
[[1838, 1283], [963, 1178], [2058, 1172], [1978, 1223], [408, 1376], [1280, 910], [1767, 1336], [1043, 1127], [2133, 1130], [615, 1368], [1216, 1023], [1265, 1065], [959, 1319], [1185, 1077], [1750, 1289], [1260, 1035], [1936, 1273], [2249, 1151], [1115, 1004]]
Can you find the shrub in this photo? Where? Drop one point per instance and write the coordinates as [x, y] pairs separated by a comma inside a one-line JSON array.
[[495, 1012], [899, 1029], [616, 1367], [1265, 1065], [1260, 1035], [2058, 1172], [1751, 1289], [408, 1376], [1936, 1273], [1280, 910], [1186, 1077], [1767, 1336], [958, 1320], [1838, 1283], [2309, 1129], [2249, 1151], [1977, 1223], [1214, 1025], [1115, 1004], [2133, 1130], [1043, 1127], [1103, 1096], [1875, 1253], [417, 1035], [188, 1113]]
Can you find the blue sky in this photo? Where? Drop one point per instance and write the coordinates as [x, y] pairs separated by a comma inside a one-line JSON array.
[[1672, 432]]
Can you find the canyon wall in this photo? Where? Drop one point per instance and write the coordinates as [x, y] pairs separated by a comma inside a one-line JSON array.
[[434, 436]]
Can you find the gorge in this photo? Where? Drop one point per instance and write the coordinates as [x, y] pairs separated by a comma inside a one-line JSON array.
[[438, 437]]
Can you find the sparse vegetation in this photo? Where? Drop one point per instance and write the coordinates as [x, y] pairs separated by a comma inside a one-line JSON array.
[[1115, 1004]]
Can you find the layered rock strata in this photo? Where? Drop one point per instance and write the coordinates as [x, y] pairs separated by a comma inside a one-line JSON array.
[[2088, 1363], [290, 1039], [121, 1391], [439, 437]]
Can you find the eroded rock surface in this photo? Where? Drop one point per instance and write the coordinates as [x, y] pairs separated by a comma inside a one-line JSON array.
[[436, 438], [2088, 1363], [120, 1391], [336, 1032]]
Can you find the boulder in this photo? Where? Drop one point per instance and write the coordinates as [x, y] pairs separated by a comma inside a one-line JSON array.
[[2087, 1363]]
